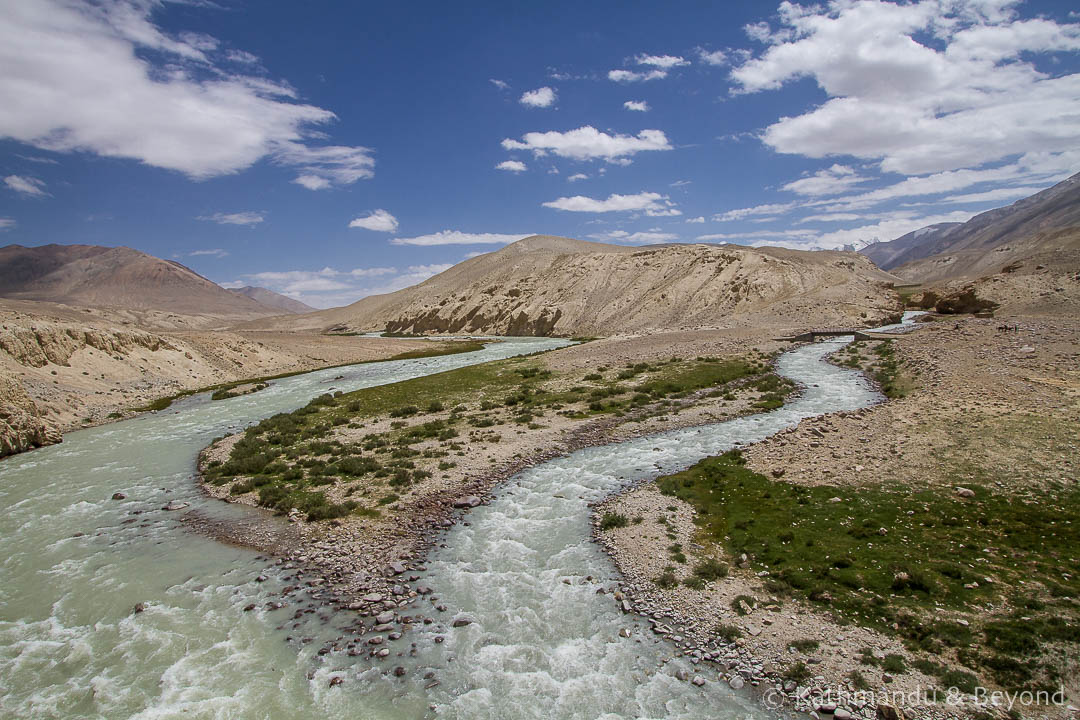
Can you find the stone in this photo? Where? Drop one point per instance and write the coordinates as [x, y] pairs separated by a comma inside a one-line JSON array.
[[335, 681], [384, 618], [842, 714], [886, 711], [698, 680], [372, 598], [176, 505], [118, 496], [396, 567], [462, 621], [139, 607], [737, 682], [469, 501], [249, 607], [399, 671], [965, 492]]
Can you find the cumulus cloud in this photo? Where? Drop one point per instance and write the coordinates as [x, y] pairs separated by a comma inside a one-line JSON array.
[[577, 176], [456, 237], [588, 143], [629, 76], [646, 237], [769, 209], [237, 218], [696, 220], [665, 62], [652, 204], [830, 181], [712, 57], [379, 220], [514, 166], [539, 98], [636, 105], [96, 90], [970, 97], [26, 185]]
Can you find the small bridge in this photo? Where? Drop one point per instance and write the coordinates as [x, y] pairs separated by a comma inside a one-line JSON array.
[[812, 335]]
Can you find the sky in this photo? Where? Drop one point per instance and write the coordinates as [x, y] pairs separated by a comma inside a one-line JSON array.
[[333, 150]]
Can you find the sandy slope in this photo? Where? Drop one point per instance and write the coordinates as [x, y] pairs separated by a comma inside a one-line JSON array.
[[546, 285]]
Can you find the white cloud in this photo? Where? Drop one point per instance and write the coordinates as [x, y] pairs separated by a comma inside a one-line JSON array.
[[38, 159], [6, 223], [696, 220], [653, 204], [96, 90], [665, 62], [830, 217], [242, 56], [830, 181], [969, 97], [26, 185], [379, 220], [771, 209], [373, 271], [514, 166], [629, 76], [499, 84], [330, 287], [712, 57], [636, 105], [587, 143], [238, 218], [213, 252], [638, 238], [885, 230], [758, 234], [455, 237], [577, 176], [312, 182], [540, 98], [997, 195]]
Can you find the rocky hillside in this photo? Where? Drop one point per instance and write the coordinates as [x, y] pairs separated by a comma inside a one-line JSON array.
[[21, 425], [1033, 231], [546, 285], [103, 277]]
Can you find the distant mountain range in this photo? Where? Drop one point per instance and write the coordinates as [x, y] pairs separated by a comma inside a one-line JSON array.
[[271, 299], [104, 277], [1041, 229]]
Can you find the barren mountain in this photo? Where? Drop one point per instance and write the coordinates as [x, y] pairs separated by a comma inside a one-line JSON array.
[[1031, 231], [273, 300], [887, 255], [93, 276], [546, 285]]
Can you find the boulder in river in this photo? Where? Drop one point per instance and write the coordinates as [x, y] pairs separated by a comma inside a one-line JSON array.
[[462, 621], [176, 505], [469, 501]]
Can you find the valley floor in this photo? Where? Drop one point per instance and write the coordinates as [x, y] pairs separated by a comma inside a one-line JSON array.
[[927, 542]]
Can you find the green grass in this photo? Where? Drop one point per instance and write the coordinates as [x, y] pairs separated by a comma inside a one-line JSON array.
[[835, 556], [881, 364]]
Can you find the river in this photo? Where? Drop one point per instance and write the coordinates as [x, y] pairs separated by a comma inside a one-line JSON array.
[[75, 562]]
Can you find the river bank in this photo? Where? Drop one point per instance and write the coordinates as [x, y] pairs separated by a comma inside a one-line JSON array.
[[530, 411], [949, 443]]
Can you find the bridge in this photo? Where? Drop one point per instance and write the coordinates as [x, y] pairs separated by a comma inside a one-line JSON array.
[[812, 335]]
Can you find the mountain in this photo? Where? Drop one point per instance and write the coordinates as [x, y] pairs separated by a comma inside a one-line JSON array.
[[273, 300], [1035, 230], [887, 255], [546, 285], [94, 276]]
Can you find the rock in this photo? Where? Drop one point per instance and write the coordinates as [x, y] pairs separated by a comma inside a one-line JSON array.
[[118, 496], [965, 492], [842, 714], [176, 505], [885, 711], [462, 621], [399, 671], [373, 598], [249, 607], [737, 682], [469, 501], [335, 681], [139, 607], [384, 618], [681, 675], [698, 680], [396, 567]]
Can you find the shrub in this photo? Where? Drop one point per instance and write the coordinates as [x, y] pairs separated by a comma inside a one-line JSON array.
[[405, 411], [667, 579], [710, 569], [961, 680], [612, 520], [728, 633]]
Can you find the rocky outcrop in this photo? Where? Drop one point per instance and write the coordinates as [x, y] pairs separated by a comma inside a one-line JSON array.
[[44, 342], [21, 426]]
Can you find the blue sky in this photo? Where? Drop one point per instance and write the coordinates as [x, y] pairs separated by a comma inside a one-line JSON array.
[[331, 150]]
